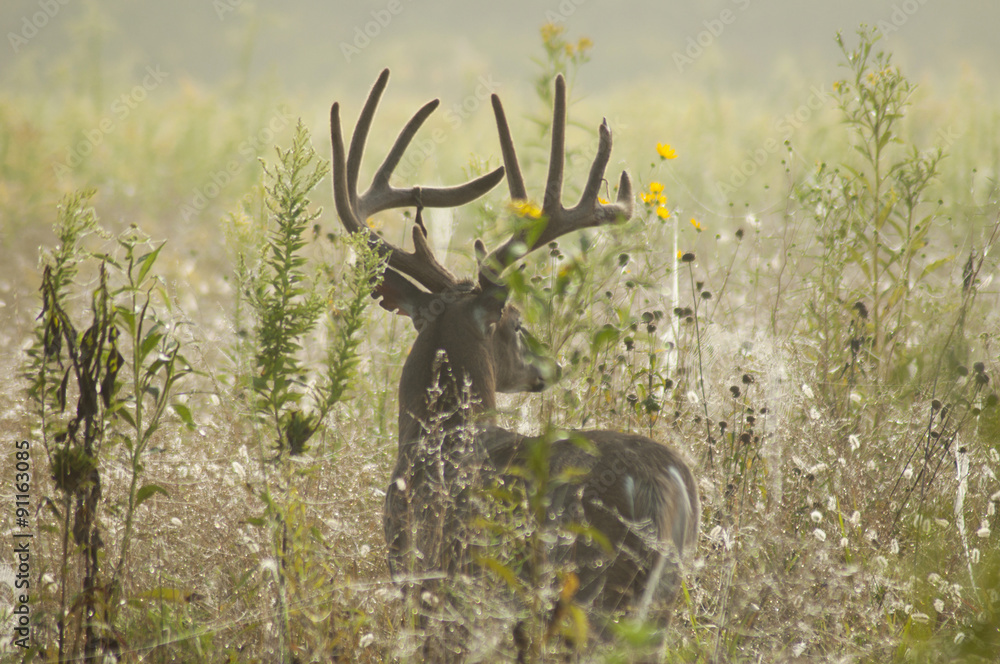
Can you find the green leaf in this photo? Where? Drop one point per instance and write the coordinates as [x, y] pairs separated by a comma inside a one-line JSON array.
[[165, 594], [184, 413], [148, 491], [501, 570], [608, 334], [151, 340], [146, 262], [934, 266]]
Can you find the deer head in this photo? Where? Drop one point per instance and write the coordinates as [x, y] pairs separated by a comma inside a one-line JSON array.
[[468, 322]]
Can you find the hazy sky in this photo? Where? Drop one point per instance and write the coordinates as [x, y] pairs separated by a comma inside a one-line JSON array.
[[317, 46]]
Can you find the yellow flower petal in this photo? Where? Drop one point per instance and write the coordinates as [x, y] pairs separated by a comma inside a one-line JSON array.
[[661, 199], [695, 223], [526, 209], [665, 151], [603, 201], [662, 212], [655, 187]]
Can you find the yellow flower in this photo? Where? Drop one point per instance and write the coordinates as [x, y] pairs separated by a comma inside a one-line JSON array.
[[603, 201], [661, 199], [665, 151], [655, 187], [679, 254], [662, 212], [647, 198], [550, 31], [526, 209], [696, 223], [583, 44]]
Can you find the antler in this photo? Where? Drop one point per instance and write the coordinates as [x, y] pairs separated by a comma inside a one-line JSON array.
[[354, 210], [559, 220]]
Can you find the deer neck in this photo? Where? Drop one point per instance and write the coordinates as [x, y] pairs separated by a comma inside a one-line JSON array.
[[447, 382]]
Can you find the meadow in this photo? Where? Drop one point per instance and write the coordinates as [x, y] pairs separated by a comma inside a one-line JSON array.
[[804, 304]]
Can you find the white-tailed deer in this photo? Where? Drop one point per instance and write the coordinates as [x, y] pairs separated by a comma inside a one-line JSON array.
[[636, 491]]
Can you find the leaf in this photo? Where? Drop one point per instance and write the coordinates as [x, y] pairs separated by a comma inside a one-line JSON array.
[[127, 416], [165, 594], [146, 262], [148, 491], [934, 266], [501, 570], [151, 340], [184, 413], [608, 334]]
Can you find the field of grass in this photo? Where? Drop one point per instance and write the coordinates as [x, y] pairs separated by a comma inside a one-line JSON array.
[[810, 317]]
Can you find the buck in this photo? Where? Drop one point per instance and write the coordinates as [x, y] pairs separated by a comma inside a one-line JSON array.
[[470, 345]]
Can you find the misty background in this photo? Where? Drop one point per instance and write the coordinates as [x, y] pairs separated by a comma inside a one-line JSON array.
[[308, 49]]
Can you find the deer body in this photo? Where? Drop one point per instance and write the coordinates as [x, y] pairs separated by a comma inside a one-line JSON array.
[[638, 493]]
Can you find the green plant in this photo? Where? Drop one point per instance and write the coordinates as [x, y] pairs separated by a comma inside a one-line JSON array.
[[66, 365], [287, 301], [872, 220]]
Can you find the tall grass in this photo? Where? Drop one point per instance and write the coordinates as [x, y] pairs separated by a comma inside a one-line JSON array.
[[818, 337]]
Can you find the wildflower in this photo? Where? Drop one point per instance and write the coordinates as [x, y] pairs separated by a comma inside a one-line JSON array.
[[665, 151], [647, 197], [816, 516], [583, 44], [662, 212], [603, 201], [526, 209], [550, 31], [696, 224], [655, 187]]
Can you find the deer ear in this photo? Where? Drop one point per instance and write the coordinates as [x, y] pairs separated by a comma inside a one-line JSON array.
[[488, 308], [401, 296]]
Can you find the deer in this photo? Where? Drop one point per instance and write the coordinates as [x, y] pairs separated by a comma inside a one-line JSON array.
[[470, 346]]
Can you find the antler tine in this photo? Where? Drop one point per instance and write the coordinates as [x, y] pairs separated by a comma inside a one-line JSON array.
[[552, 204], [360, 135], [559, 220], [515, 181], [354, 210]]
